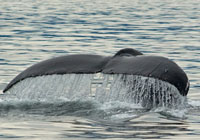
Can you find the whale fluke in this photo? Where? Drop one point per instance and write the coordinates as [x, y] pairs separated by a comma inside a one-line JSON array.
[[126, 61]]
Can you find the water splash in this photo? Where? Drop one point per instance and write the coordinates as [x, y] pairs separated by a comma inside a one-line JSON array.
[[146, 91]]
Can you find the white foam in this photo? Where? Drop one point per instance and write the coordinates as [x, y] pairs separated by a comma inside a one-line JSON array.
[[194, 103], [178, 113]]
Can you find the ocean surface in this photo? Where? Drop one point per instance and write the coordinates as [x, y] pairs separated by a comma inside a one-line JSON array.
[[32, 31]]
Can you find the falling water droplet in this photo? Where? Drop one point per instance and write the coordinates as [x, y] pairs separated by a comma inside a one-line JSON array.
[[147, 91]]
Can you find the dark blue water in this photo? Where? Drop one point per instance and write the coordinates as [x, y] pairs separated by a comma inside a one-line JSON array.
[[32, 31]]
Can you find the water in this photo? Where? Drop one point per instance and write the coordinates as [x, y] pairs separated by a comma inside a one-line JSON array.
[[31, 31], [102, 88]]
